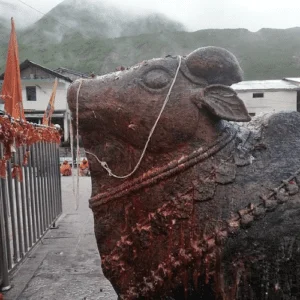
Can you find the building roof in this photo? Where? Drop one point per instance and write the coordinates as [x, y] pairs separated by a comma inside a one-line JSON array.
[[293, 79], [262, 85], [71, 73], [27, 63]]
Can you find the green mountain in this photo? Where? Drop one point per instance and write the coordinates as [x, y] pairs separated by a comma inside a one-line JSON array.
[[4, 37], [77, 36]]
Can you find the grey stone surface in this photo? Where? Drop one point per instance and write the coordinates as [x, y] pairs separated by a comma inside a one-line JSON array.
[[65, 265]]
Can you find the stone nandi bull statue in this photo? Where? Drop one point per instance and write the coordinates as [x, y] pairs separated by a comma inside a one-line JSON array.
[[213, 210]]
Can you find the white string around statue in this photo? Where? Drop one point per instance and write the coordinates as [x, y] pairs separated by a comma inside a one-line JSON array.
[[103, 163], [73, 158], [77, 146]]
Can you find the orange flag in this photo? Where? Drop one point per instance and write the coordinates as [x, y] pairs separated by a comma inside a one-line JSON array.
[[50, 108], [11, 88]]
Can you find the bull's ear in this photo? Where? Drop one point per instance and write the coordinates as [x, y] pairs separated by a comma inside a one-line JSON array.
[[224, 103]]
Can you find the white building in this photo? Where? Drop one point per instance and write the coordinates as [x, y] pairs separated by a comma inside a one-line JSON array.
[[262, 96], [37, 85]]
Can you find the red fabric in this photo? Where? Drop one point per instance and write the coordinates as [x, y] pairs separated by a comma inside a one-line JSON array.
[[11, 88], [2, 170], [24, 134], [25, 158], [84, 165], [17, 173], [21, 134], [65, 169]]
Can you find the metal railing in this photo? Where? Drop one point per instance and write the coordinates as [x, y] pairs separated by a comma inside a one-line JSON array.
[[28, 208]]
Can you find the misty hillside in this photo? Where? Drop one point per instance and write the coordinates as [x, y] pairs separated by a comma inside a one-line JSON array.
[[4, 37], [4, 30], [266, 54], [94, 19], [76, 35]]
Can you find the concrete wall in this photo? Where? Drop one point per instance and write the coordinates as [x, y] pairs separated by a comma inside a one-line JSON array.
[[35, 72], [273, 101], [43, 93]]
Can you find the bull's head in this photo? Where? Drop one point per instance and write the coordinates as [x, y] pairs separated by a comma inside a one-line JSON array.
[[120, 108]]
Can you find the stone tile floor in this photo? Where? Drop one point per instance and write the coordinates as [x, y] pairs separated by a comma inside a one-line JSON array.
[[65, 265]]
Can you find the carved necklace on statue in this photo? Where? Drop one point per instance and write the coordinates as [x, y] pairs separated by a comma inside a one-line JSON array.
[[174, 167]]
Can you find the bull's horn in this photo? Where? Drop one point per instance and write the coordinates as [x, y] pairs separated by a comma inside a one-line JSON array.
[[215, 65]]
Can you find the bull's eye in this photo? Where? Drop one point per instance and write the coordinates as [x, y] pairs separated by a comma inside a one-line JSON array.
[[156, 79]]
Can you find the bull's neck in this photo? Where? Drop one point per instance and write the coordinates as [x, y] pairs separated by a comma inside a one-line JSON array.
[[121, 157], [155, 167]]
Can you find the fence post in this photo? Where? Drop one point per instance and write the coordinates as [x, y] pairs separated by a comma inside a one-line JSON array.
[[4, 279]]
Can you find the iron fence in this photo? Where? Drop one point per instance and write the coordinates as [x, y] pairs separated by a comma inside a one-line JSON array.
[[28, 208]]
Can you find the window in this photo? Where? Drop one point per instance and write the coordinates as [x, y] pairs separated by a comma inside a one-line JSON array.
[[252, 114], [258, 95], [31, 93]]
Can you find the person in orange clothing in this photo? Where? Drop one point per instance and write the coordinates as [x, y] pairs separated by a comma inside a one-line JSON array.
[[84, 168], [65, 169]]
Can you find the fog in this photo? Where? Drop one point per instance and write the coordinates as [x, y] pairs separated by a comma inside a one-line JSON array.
[[194, 14]]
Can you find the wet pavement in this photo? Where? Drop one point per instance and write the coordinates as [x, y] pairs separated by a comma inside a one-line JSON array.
[[65, 265]]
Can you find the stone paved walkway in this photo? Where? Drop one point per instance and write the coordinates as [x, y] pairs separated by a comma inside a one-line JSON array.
[[66, 264]]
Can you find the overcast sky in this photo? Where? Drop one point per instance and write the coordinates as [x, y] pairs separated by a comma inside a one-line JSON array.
[[200, 14]]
